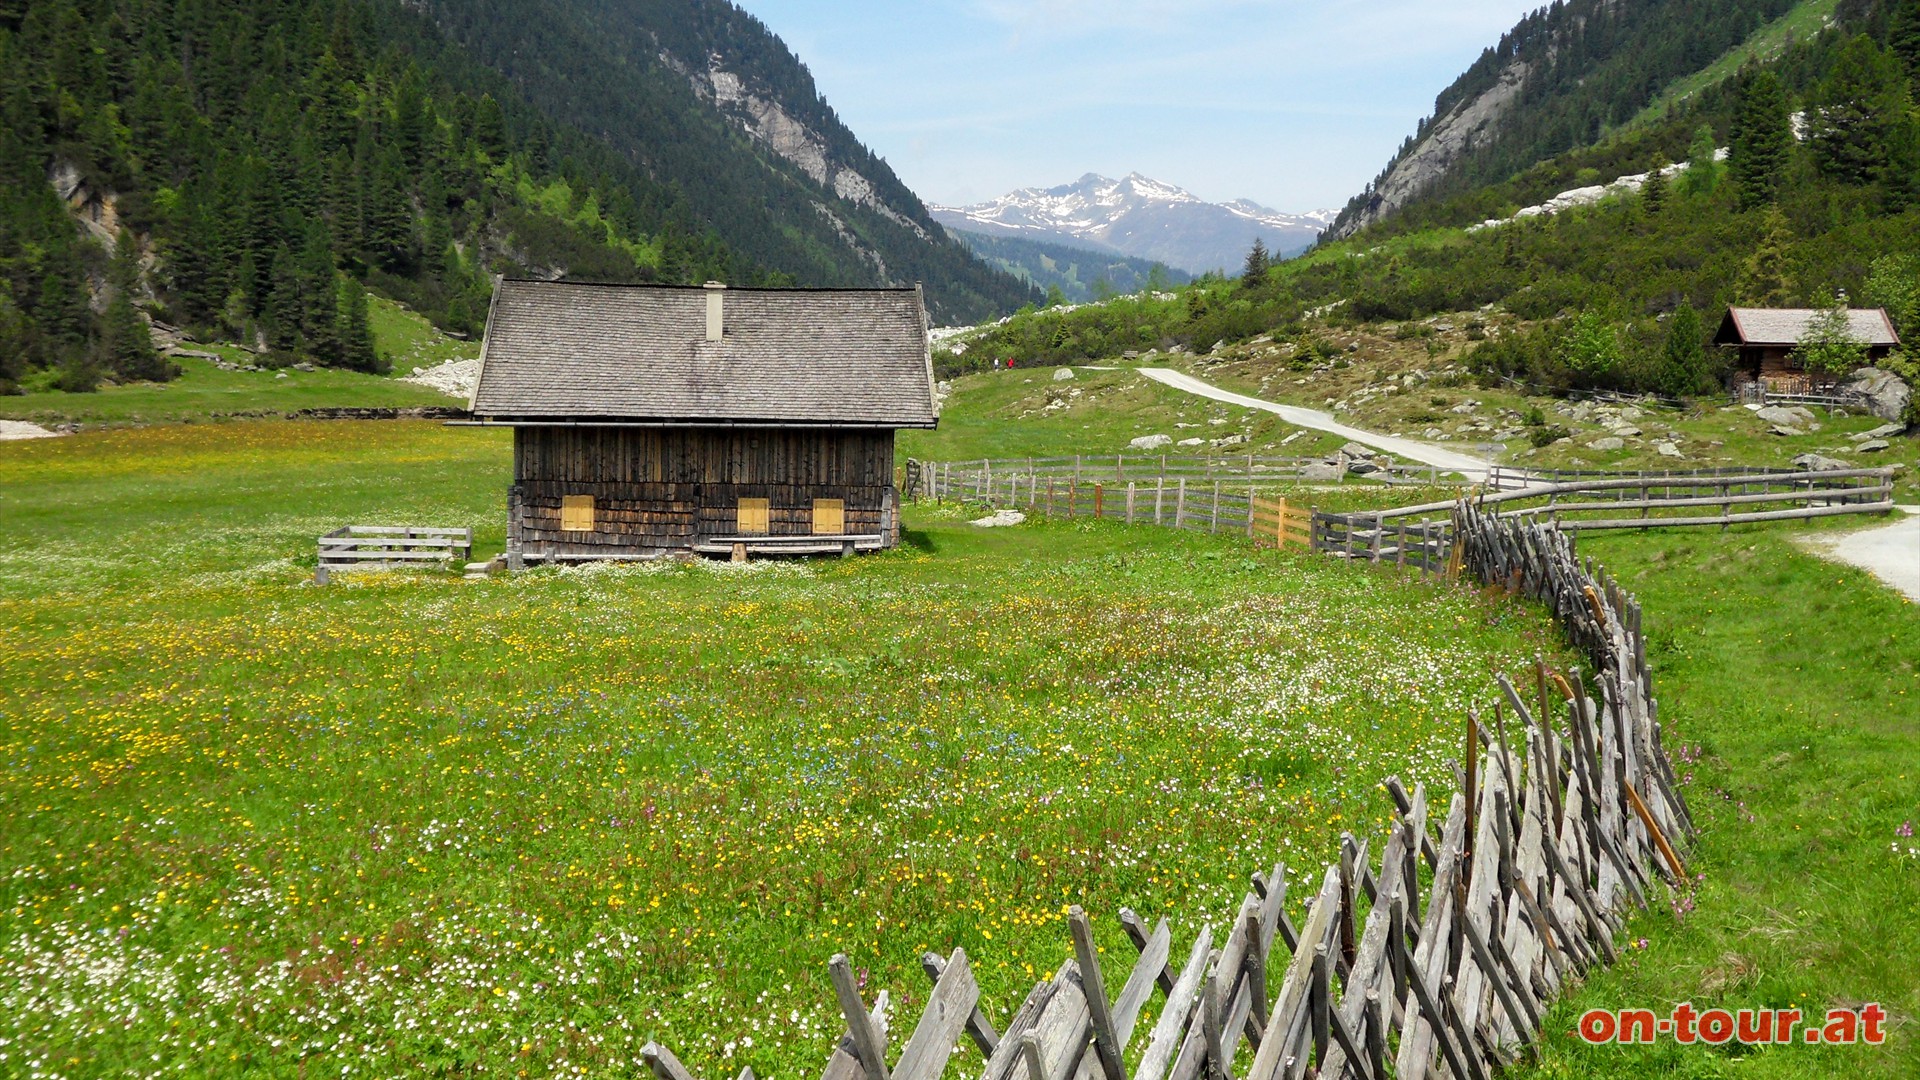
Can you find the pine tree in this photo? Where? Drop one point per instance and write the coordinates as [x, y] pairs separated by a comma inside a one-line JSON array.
[[283, 306], [1653, 194], [1762, 139], [319, 297], [1830, 347], [1683, 360], [1855, 110], [356, 331], [15, 345], [125, 343], [1763, 280], [1903, 37], [1703, 164], [1258, 263]]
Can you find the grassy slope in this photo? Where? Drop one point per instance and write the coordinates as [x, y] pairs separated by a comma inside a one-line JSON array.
[[204, 391], [538, 820], [1709, 434], [1768, 42], [1793, 689], [1003, 414]]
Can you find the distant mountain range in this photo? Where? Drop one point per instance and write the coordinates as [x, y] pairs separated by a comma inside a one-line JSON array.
[[1081, 273], [1142, 218]]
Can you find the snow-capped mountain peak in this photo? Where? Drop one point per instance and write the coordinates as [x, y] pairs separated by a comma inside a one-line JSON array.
[[1140, 216]]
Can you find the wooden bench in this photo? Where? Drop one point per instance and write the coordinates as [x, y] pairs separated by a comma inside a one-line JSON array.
[[377, 547], [744, 547]]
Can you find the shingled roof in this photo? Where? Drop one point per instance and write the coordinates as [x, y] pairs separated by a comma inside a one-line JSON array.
[[1786, 327], [565, 352]]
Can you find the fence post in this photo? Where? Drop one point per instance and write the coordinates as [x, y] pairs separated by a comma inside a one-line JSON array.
[[1280, 526], [1159, 495], [1213, 524], [1180, 506], [1130, 495]]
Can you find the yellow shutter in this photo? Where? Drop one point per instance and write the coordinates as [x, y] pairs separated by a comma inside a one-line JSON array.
[[829, 517], [576, 513], [753, 517]]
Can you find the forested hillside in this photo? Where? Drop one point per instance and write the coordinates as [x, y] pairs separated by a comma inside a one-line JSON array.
[[1072, 275], [1621, 294], [1561, 80], [714, 106], [247, 170]]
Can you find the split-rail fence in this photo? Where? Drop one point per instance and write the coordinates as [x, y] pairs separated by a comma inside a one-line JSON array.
[[1435, 953], [1420, 537]]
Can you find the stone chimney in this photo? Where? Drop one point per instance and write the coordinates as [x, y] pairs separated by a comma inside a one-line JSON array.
[[716, 318]]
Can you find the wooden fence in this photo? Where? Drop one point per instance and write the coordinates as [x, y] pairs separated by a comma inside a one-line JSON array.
[[982, 478], [1566, 813], [373, 547], [1603, 502]]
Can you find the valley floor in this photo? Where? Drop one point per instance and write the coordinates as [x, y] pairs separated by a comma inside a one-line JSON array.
[[417, 824]]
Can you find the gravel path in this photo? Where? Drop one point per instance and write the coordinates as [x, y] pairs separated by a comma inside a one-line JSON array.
[[1472, 468], [1890, 552]]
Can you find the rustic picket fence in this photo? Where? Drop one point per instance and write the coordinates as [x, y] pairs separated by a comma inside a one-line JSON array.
[[1566, 814], [1252, 509], [986, 479], [1422, 536]]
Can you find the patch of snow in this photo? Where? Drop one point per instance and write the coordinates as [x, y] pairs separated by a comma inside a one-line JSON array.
[[455, 378], [1002, 519], [11, 430]]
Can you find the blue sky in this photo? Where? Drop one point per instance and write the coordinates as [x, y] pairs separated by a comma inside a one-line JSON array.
[[1294, 105]]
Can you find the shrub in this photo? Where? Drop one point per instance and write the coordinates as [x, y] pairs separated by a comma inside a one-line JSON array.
[[1548, 434], [1830, 347]]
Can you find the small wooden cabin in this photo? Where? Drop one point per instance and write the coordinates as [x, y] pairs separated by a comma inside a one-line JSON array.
[[649, 420], [1769, 339]]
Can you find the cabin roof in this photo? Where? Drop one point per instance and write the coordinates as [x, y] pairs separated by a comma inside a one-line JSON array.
[[569, 352], [1788, 327]]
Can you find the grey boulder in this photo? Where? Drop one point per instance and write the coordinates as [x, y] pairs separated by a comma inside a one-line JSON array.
[[1886, 394]]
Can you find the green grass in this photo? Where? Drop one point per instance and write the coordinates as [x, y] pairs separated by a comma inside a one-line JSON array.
[[1790, 692], [407, 340], [205, 392], [411, 824], [1005, 414], [1709, 433]]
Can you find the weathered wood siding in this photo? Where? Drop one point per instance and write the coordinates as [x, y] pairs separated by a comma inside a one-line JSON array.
[[660, 489]]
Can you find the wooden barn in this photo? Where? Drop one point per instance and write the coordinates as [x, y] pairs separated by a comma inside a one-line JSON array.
[[1768, 340], [652, 420]]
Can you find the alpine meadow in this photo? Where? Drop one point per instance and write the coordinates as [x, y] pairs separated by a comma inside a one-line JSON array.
[[532, 545]]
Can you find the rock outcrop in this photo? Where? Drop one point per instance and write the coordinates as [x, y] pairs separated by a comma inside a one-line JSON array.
[[1470, 126], [1886, 394]]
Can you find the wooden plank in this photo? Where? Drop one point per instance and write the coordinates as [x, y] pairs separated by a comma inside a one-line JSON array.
[[663, 1063], [1005, 1055], [1139, 986], [868, 1042], [949, 1008], [844, 1064], [1173, 1019], [1066, 1027], [1106, 1041], [1288, 1007], [978, 1027]]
